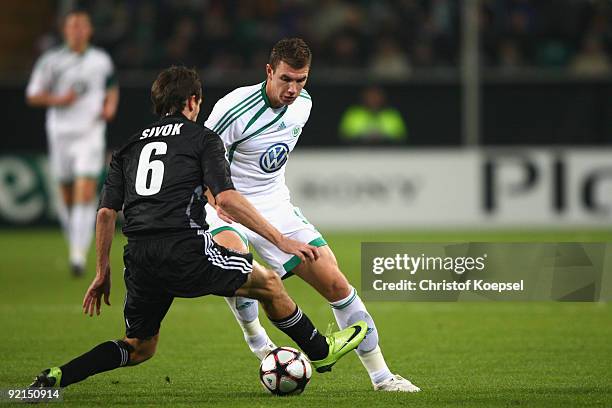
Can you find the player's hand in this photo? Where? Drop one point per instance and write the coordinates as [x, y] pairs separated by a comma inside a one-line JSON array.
[[101, 285], [224, 216], [299, 249], [67, 99]]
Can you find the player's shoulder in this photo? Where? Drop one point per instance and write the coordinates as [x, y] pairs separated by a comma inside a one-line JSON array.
[[52, 53], [238, 95], [99, 54], [304, 100], [305, 95]]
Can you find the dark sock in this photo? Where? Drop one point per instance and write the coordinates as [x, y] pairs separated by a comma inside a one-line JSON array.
[[301, 330], [104, 357]]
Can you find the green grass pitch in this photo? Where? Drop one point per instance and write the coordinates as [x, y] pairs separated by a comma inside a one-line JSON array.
[[461, 354]]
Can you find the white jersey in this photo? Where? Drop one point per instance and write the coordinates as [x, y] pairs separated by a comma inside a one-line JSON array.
[[89, 74], [259, 139]]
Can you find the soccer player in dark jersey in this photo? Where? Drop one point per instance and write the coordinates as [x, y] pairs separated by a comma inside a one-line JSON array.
[[157, 179]]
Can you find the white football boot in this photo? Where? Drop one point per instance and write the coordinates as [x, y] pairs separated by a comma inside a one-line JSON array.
[[262, 352], [396, 383]]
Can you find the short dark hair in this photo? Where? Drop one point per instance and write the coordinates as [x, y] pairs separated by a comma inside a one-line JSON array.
[[173, 87], [75, 12], [294, 51]]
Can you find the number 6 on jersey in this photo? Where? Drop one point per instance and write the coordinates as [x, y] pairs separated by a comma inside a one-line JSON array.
[[156, 167]]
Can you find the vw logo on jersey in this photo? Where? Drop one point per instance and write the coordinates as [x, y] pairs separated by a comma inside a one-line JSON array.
[[274, 157]]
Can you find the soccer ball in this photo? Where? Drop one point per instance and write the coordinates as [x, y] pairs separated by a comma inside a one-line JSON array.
[[285, 371]]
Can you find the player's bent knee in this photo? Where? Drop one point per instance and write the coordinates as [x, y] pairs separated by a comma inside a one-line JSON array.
[[340, 287], [336, 288], [273, 283], [272, 286]]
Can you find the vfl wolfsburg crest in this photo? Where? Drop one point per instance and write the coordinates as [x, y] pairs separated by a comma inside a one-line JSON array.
[[296, 131]]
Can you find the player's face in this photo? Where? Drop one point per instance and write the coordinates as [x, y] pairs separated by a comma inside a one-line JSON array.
[[77, 31], [285, 83]]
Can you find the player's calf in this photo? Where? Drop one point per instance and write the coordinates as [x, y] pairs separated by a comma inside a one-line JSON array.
[[104, 357], [140, 350]]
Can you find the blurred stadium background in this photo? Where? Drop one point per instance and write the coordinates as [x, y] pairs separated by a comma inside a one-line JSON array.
[[493, 122], [497, 109]]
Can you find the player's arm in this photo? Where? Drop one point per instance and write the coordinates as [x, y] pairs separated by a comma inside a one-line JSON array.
[[241, 210], [111, 101], [111, 201], [100, 286], [222, 214], [38, 91], [47, 99], [218, 179], [111, 97]]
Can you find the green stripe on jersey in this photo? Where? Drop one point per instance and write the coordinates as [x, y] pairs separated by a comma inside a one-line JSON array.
[[254, 118], [238, 114], [258, 131], [236, 107]]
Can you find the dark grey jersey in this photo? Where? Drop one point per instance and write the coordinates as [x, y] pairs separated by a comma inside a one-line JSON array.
[[157, 177]]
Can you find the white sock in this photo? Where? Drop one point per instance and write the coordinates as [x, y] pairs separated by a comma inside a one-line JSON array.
[[375, 363], [82, 225], [349, 310], [246, 313]]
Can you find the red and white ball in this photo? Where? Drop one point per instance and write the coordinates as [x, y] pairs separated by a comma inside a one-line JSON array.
[[285, 371]]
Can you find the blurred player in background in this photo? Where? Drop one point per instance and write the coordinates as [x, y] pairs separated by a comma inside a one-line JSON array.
[[260, 125], [77, 83]]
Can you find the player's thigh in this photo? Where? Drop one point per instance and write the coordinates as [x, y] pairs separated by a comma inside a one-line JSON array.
[[325, 276], [61, 159], [207, 268], [146, 301], [229, 238], [88, 151], [262, 283], [219, 228], [291, 223]]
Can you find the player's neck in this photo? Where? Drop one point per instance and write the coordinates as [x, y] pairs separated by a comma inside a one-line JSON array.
[[79, 48], [275, 104]]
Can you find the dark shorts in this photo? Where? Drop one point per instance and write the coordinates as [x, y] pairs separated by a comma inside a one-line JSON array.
[[189, 265]]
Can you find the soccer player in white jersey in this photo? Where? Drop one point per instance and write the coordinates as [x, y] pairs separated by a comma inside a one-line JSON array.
[[76, 82], [260, 125]]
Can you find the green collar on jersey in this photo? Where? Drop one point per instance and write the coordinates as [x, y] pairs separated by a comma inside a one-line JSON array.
[[264, 95]]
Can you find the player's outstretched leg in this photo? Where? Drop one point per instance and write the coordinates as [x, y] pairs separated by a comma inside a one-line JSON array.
[[246, 310], [104, 357], [323, 351], [325, 276]]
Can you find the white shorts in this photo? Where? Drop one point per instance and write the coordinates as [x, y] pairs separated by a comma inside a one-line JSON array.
[[73, 155], [287, 219]]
